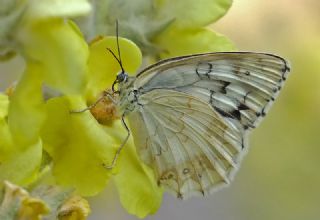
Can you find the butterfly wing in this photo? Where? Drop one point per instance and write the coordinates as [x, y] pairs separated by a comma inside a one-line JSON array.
[[194, 112]]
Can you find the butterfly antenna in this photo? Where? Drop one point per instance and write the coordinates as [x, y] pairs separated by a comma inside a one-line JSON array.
[[118, 45], [118, 58], [115, 57]]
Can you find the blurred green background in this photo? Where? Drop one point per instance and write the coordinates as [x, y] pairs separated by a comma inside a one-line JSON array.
[[280, 177]]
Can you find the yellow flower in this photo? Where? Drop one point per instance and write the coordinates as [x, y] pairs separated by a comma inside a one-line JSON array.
[[34, 30], [75, 208]]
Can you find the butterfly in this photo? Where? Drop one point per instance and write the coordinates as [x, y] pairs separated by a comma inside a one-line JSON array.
[[190, 115]]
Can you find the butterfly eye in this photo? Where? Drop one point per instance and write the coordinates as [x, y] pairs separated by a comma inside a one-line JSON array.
[[122, 77]]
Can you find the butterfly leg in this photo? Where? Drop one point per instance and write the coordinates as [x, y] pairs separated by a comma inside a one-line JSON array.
[[105, 94], [121, 146]]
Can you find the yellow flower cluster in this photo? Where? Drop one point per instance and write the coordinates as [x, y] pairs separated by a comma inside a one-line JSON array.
[[39, 138]]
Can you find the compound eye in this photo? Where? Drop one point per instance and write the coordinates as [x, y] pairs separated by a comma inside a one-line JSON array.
[[121, 77]]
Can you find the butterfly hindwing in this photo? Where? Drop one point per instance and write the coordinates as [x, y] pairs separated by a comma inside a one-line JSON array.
[[190, 147]]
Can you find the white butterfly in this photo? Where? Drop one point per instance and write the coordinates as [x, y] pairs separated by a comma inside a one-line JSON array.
[[190, 115]]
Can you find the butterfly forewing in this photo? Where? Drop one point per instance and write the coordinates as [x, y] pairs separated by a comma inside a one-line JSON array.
[[238, 85], [193, 112]]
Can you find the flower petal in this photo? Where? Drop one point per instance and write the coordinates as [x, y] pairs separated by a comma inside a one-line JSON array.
[[78, 145], [104, 67], [75, 208], [139, 193], [200, 40], [192, 14], [33, 208], [4, 105], [5, 135], [21, 166], [21, 148], [26, 110], [61, 51]]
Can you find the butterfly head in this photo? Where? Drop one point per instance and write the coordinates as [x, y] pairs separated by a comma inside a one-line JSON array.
[[121, 77]]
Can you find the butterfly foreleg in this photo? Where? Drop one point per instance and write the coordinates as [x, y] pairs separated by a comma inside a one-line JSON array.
[[105, 94], [115, 158]]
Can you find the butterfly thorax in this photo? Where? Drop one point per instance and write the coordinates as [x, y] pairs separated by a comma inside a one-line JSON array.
[[128, 96]]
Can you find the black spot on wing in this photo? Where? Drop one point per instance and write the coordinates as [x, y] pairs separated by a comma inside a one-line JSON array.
[[242, 143], [243, 107], [204, 69], [223, 88], [233, 114], [211, 97], [246, 96], [236, 114]]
